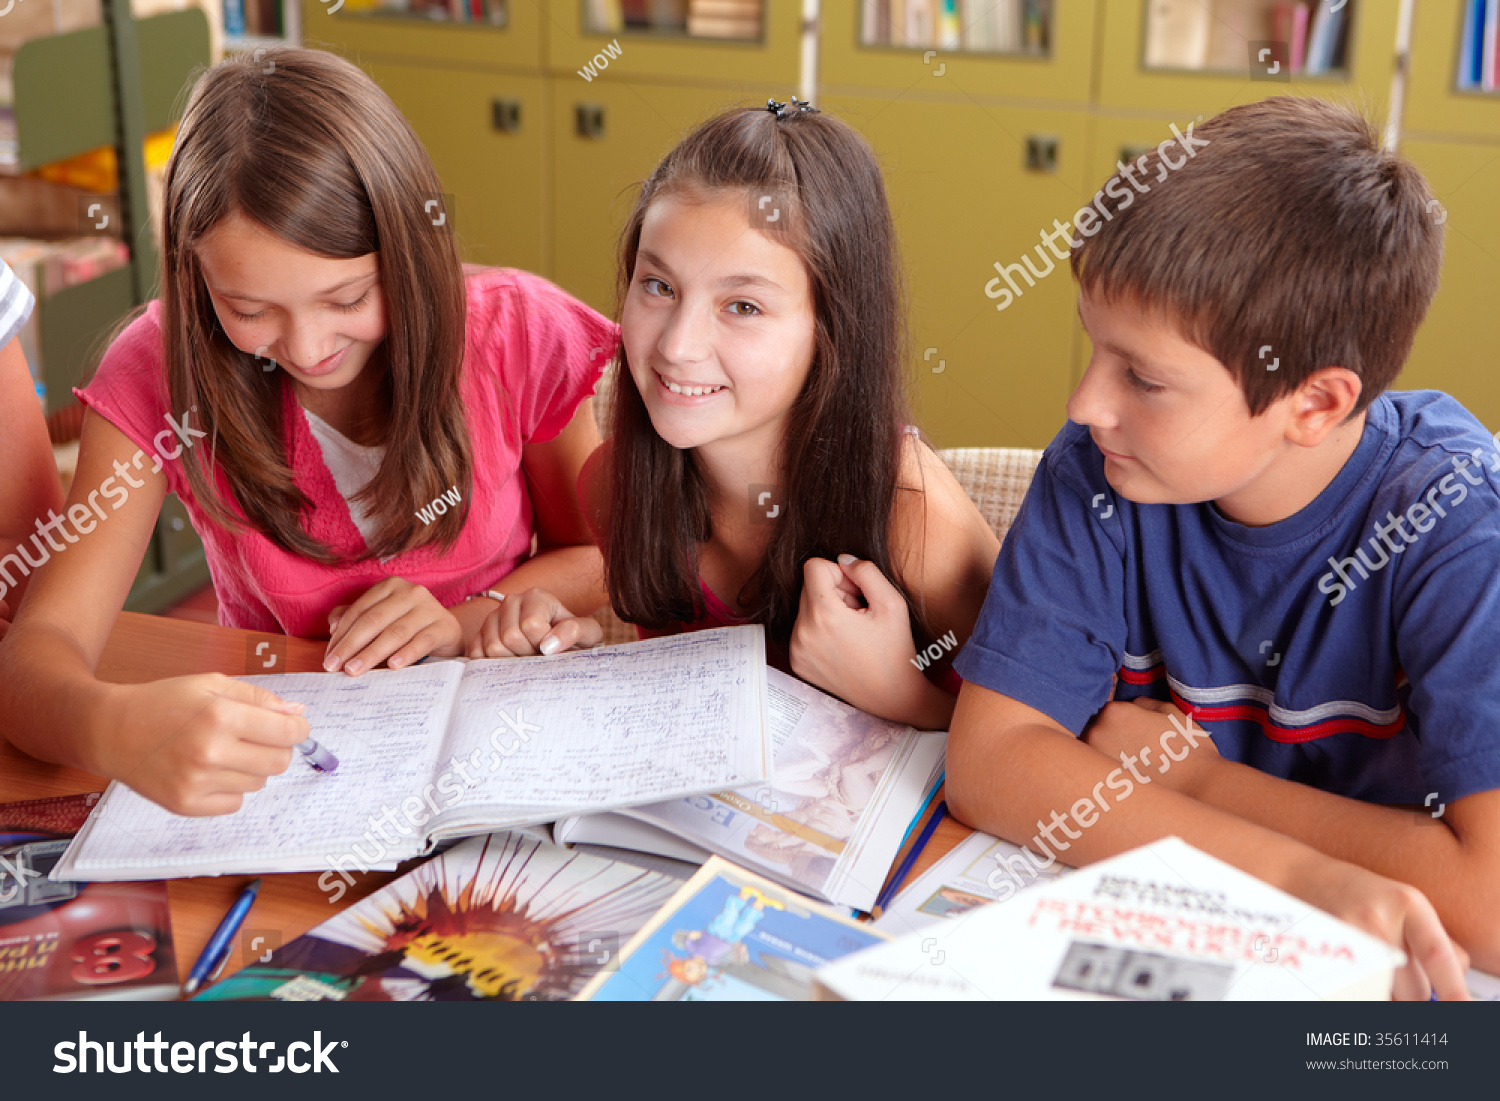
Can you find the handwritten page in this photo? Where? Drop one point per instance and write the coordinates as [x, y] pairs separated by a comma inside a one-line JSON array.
[[384, 727], [619, 725]]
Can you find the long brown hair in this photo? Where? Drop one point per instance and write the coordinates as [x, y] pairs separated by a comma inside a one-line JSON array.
[[306, 145], [840, 457]]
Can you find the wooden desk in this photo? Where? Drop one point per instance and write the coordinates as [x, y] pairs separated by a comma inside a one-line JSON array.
[[144, 648]]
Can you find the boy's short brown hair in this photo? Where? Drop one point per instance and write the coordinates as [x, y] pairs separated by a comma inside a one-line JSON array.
[[1287, 228]]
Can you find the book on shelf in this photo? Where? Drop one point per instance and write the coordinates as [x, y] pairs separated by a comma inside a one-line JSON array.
[[1236, 24], [505, 917], [1479, 48], [1177, 34], [1326, 41], [457, 748], [847, 786], [730, 935], [991, 26], [722, 19], [1289, 23], [1164, 922], [75, 941]]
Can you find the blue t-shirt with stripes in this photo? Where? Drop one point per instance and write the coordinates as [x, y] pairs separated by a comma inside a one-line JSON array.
[[15, 304], [1354, 646]]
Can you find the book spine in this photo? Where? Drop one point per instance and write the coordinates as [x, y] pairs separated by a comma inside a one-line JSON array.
[[234, 19]]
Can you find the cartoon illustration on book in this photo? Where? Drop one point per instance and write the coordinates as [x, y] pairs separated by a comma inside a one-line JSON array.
[[832, 775], [721, 943], [502, 917]]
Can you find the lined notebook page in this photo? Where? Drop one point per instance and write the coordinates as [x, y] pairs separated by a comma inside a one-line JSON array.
[[384, 727], [633, 724]]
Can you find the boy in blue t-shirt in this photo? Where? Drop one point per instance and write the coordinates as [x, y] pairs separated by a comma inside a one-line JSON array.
[[1241, 526]]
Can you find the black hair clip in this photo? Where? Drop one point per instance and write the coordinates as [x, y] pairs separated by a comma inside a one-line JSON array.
[[780, 109]]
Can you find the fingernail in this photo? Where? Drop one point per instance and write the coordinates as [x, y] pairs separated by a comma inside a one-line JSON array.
[[331, 663], [551, 644], [847, 559], [354, 666], [293, 706], [396, 662]]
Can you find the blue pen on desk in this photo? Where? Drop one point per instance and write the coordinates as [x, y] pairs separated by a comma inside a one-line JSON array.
[[317, 756], [212, 961]]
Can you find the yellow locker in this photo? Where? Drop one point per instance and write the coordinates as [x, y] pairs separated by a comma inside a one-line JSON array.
[[497, 178], [609, 136], [1456, 349], [963, 201]]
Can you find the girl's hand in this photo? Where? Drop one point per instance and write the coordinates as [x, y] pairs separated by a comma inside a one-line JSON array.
[[1396, 913], [395, 622], [853, 638], [533, 622], [1170, 749], [197, 744]]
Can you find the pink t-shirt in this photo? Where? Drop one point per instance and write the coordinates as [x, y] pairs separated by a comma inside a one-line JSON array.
[[532, 355]]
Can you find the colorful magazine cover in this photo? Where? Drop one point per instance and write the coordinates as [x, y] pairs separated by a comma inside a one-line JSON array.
[[504, 917], [75, 940], [730, 935]]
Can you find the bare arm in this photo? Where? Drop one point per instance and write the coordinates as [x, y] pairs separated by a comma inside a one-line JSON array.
[[193, 744], [563, 583], [30, 489], [1014, 772]]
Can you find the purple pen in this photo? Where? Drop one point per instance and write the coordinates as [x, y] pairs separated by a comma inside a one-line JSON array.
[[317, 756]]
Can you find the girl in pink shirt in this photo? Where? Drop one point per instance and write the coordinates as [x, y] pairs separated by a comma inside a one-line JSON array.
[[369, 440], [760, 467]]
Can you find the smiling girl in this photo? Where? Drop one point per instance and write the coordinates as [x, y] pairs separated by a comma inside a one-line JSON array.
[[761, 467], [333, 373]]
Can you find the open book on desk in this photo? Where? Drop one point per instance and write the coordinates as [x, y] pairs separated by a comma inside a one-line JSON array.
[[453, 748], [847, 787]]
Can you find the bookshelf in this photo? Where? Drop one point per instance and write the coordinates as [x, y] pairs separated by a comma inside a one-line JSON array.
[[251, 24], [108, 85], [1163, 55], [1452, 131]]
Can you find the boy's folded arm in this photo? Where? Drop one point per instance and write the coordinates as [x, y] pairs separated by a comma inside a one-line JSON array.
[[1454, 859], [1015, 772]]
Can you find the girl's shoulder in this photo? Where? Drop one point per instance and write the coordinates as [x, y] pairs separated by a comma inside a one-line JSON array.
[[131, 375], [931, 505]]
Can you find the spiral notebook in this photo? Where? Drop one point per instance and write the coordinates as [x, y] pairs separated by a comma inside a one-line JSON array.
[[455, 748]]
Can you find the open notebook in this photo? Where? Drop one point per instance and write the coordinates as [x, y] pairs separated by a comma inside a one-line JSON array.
[[454, 748]]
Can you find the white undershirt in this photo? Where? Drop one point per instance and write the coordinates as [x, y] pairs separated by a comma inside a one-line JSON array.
[[352, 466]]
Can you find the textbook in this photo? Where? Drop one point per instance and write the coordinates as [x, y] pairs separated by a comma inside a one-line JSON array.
[[75, 941], [1165, 922], [847, 787], [504, 917], [979, 870], [454, 748], [729, 935]]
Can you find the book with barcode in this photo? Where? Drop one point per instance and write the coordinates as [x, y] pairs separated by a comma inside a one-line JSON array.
[[1165, 922]]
